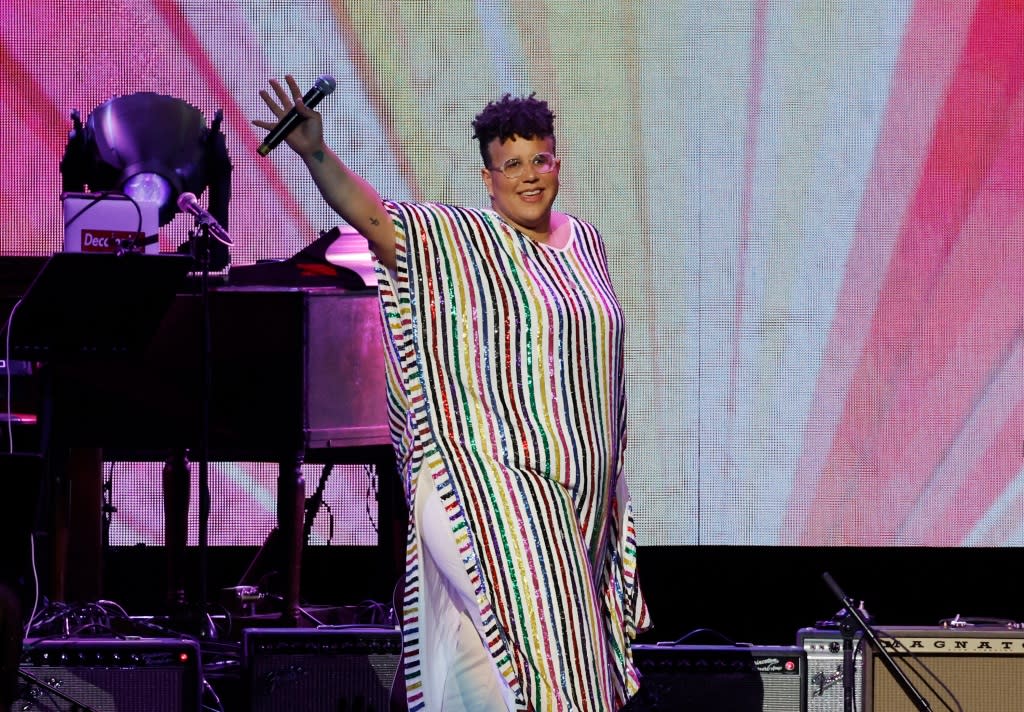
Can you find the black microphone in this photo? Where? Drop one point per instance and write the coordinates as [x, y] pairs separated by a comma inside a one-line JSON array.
[[323, 86], [188, 203]]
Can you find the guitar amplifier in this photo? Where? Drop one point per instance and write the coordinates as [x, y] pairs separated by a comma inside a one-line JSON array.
[[711, 678], [320, 669], [824, 672], [110, 675], [975, 668]]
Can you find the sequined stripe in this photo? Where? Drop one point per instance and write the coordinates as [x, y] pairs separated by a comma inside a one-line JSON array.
[[521, 342], [400, 360], [582, 394], [618, 629], [458, 457], [600, 425], [555, 632], [396, 306], [548, 672], [632, 615], [504, 305], [391, 316], [570, 601], [491, 256], [533, 624], [457, 270], [412, 663], [556, 271], [618, 594], [628, 611], [554, 673], [500, 501], [607, 352], [605, 343], [545, 279], [611, 348], [415, 692], [559, 516], [638, 616]]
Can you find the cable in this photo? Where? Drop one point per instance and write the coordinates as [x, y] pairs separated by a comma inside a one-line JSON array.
[[897, 644], [371, 494], [100, 196], [208, 689], [35, 583], [7, 374]]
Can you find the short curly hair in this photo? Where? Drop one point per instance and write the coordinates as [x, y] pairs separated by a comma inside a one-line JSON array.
[[525, 117]]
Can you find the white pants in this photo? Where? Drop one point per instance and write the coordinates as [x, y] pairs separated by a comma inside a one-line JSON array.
[[459, 675]]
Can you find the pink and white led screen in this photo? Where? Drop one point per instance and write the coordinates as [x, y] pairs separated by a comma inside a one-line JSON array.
[[814, 213]]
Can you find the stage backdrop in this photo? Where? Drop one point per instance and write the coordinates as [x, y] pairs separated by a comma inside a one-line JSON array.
[[813, 212]]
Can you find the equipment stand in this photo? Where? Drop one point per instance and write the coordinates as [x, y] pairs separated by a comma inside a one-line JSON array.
[[200, 240], [854, 614]]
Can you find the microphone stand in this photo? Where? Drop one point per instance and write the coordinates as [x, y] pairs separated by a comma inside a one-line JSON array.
[[52, 689], [200, 239], [848, 629], [199, 246]]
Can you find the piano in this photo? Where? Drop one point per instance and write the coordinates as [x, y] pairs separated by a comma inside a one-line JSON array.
[[296, 374]]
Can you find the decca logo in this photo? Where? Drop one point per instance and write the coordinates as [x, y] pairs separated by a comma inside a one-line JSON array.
[[107, 240]]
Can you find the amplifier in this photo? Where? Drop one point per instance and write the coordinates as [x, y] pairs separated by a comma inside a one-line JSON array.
[[977, 668], [320, 669], [110, 675], [824, 670], [711, 678]]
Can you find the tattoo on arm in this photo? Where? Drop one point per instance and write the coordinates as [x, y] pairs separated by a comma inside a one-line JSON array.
[[374, 221], [319, 156]]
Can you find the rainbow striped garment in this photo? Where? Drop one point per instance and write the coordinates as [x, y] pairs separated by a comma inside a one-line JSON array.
[[506, 390]]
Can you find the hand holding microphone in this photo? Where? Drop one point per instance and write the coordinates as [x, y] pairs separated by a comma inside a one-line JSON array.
[[297, 112]]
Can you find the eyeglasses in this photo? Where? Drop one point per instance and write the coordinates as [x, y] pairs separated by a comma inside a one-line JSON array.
[[514, 168]]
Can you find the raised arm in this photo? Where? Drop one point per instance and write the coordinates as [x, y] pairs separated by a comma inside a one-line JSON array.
[[348, 193]]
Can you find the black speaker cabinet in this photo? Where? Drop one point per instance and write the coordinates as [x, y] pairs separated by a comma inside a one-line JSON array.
[[320, 669], [980, 669], [715, 678], [110, 675]]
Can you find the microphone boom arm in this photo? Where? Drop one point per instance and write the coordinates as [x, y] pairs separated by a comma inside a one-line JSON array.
[[869, 634]]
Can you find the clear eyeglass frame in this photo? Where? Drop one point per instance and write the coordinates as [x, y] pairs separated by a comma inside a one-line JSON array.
[[513, 168]]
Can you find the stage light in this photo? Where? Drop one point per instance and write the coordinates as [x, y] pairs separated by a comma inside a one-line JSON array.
[[154, 148]]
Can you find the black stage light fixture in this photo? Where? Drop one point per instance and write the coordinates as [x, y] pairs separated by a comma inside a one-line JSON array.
[[152, 147]]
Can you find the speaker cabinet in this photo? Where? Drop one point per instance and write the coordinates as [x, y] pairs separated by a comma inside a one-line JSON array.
[[978, 668], [320, 669], [712, 678], [110, 675]]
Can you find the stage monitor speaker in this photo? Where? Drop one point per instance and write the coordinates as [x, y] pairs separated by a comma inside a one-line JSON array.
[[110, 675], [712, 678], [320, 669], [976, 668]]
